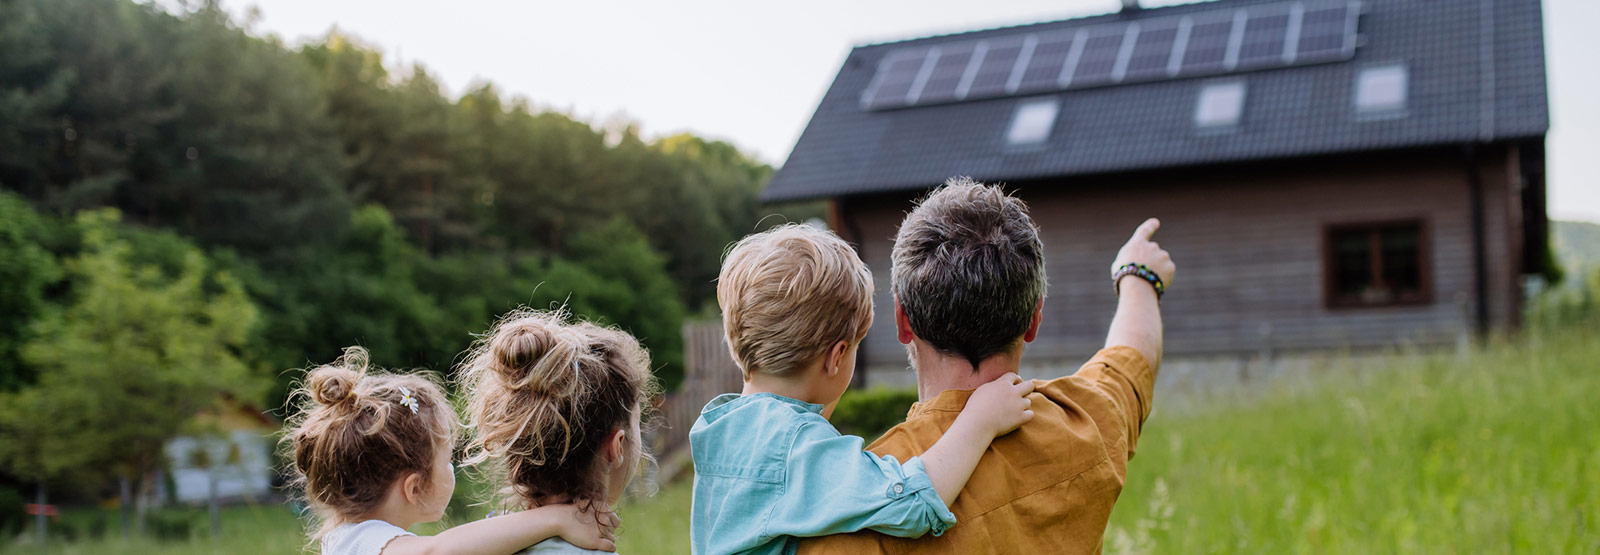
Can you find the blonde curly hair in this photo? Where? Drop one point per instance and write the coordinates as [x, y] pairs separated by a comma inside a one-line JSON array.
[[352, 437], [543, 396]]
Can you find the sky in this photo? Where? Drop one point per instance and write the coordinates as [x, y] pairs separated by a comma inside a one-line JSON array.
[[750, 72]]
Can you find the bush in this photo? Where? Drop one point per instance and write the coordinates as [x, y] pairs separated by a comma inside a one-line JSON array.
[[171, 524], [1577, 304], [872, 412], [12, 518], [86, 526]]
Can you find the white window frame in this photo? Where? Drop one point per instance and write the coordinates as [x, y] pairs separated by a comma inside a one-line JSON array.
[[1382, 91], [1033, 122], [1220, 105]]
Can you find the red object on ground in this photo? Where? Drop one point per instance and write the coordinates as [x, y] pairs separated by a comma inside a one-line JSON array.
[[37, 509]]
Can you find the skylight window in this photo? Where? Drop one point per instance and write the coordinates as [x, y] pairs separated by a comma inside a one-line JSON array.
[[1032, 122], [1220, 105], [1381, 90]]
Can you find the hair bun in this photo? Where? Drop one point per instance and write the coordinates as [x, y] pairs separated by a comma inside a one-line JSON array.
[[333, 385], [537, 352], [336, 383]]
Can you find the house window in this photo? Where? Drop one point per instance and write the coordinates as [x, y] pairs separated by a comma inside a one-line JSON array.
[[1032, 122], [1381, 90], [1376, 264], [1219, 105]]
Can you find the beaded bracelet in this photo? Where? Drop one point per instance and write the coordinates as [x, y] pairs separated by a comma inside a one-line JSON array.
[[1142, 272]]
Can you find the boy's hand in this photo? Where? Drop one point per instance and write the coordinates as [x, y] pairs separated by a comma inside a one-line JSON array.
[[1000, 406], [593, 527]]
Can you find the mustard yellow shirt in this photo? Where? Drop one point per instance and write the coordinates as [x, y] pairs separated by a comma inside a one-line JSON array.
[[1047, 487]]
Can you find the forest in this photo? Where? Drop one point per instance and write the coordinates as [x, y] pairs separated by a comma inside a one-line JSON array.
[[191, 212]]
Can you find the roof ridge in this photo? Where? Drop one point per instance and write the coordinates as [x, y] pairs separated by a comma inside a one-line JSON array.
[[1086, 19]]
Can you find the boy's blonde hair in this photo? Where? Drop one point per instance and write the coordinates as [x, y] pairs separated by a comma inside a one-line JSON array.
[[788, 294], [357, 432]]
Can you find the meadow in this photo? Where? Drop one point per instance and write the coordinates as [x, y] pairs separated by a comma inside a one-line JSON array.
[[1485, 451], [1490, 452]]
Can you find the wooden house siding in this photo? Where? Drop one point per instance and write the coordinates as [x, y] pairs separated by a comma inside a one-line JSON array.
[[1248, 240]]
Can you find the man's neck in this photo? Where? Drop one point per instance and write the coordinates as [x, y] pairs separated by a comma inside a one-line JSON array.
[[938, 373]]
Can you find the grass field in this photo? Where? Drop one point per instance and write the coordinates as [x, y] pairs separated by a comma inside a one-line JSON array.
[[1496, 451]]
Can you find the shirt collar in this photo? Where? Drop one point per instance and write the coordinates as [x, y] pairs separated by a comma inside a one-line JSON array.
[[730, 401], [949, 400]]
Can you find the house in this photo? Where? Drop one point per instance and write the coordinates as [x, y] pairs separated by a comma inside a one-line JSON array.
[[233, 455], [1331, 174]]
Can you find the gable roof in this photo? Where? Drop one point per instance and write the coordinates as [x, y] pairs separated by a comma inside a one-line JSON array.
[[1462, 89]]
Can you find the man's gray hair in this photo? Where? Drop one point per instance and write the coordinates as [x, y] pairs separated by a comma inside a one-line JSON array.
[[969, 269]]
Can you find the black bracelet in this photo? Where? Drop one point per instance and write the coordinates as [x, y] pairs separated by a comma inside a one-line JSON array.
[[1141, 271]]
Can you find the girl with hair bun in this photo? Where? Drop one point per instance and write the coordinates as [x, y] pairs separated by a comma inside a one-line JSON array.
[[553, 412], [371, 451]]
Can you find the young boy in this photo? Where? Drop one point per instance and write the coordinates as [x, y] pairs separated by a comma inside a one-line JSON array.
[[769, 468]]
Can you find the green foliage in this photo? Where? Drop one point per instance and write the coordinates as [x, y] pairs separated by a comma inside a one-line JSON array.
[[26, 269], [1575, 304], [355, 202], [282, 204], [362, 289], [869, 413], [12, 517], [1576, 247], [124, 367], [185, 122]]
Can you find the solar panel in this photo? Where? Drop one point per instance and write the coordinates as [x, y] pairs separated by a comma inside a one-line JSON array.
[[1206, 43], [895, 75], [1044, 67], [946, 74], [1262, 44], [1326, 33], [1151, 52], [999, 59], [1207, 49], [1099, 58]]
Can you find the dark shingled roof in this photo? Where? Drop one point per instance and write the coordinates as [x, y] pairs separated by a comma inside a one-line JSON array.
[[1459, 92]]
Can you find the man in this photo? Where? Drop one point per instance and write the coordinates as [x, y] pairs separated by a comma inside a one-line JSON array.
[[969, 284]]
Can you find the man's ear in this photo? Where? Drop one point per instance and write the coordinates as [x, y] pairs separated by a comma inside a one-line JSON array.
[[835, 358], [902, 324], [1033, 327]]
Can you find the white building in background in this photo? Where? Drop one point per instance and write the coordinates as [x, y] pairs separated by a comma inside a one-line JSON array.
[[235, 458]]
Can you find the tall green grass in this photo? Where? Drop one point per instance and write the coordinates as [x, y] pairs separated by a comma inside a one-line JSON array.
[[244, 529], [1496, 451]]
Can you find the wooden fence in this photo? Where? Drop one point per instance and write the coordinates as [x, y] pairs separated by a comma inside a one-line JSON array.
[[709, 371]]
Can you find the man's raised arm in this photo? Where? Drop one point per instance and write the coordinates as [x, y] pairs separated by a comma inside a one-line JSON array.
[[1138, 320]]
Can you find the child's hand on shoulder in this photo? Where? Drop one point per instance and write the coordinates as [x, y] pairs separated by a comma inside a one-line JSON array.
[[1002, 405], [588, 525]]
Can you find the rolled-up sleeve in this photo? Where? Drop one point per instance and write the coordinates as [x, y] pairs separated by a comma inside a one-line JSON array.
[[834, 486], [1123, 375]]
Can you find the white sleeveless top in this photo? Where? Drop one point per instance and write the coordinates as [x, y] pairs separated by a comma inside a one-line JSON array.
[[558, 546], [361, 538]]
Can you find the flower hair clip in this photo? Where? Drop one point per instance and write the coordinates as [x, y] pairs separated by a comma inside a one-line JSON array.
[[407, 400]]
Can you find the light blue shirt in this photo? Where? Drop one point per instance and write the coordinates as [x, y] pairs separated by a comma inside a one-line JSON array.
[[769, 470]]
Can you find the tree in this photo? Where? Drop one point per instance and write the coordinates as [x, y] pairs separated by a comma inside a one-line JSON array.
[[128, 364], [26, 268]]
